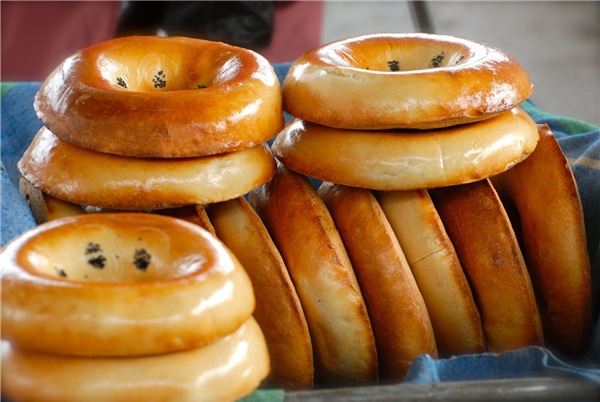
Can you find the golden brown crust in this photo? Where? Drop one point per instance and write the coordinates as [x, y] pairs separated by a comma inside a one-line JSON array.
[[437, 270], [44, 207], [406, 160], [440, 81], [83, 102], [314, 254], [226, 370], [398, 314], [554, 242], [490, 256], [120, 285], [278, 309], [87, 177]]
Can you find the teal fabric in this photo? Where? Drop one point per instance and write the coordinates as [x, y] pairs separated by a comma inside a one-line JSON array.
[[579, 140], [269, 395]]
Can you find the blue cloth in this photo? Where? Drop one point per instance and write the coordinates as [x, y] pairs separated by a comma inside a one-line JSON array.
[[520, 363], [579, 140], [18, 126]]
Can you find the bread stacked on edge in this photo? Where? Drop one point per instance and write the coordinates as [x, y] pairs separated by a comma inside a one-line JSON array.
[[410, 243], [426, 208]]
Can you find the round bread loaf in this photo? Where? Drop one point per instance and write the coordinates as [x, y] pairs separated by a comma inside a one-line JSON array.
[[551, 225], [278, 309], [87, 177], [313, 251], [437, 270], [398, 313], [225, 370], [488, 250], [151, 96], [386, 81], [121, 284], [407, 160]]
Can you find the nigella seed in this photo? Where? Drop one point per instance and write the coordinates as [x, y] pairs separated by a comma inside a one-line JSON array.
[[60, 272], [159, 79], [121, 82], [141, 259], [394, 65], [97, 262], [92, 248], [94, 251], [437, 60]]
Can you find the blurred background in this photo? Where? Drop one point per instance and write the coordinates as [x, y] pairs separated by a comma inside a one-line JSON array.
[[558, 43]]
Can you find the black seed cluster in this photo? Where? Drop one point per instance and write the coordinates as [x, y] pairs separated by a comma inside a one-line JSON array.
[[97, 262], [141, 259], [94, 252], [60, 272], [159, 79], [394, 65], [437, 60]]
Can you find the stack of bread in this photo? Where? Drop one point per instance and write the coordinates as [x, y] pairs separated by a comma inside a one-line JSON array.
[[129, 306], [428, 232], [161, 125], [236, 107], [422, 148], [147, 123]]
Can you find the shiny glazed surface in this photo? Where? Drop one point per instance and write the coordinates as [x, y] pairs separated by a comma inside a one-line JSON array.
[[385, 81], [407, 159], [119, 285], [225, 370], [437, 270], [83, 176], [162, 97], [488, 249], [314, 253], [545, 194], [397, 311], [238, 226]]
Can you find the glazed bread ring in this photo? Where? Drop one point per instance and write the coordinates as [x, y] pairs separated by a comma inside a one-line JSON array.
[[406, 160], [314, 253], [120, 285], [225, 370], [83, 176], [488, 250], [389, 81], [398, 313], [162, 97], [278, 309], [437, 270], [545, 194]]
